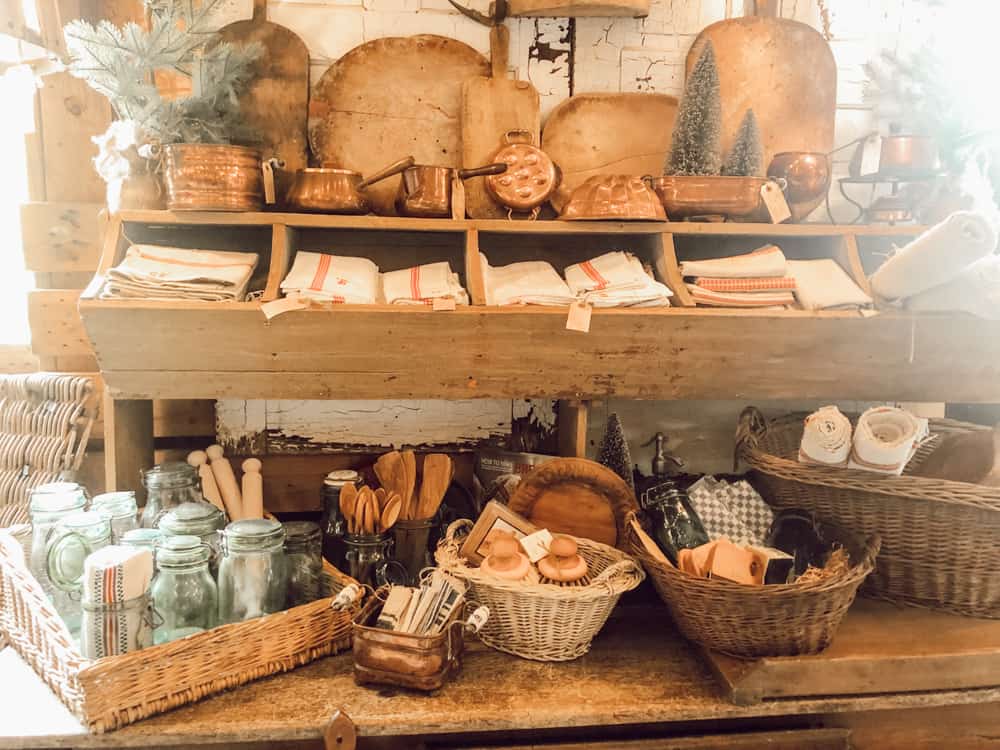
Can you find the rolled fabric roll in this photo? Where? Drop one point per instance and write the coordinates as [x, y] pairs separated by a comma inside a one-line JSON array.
[[826, 438], [885, 440], [976, 291], [937, 256]]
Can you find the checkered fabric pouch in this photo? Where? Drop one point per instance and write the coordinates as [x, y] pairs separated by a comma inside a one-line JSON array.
[[747, 505], [710, 499]]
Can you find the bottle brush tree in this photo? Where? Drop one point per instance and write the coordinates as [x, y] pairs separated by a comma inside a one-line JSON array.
[[614, 452], [746, 158], [696, 148]]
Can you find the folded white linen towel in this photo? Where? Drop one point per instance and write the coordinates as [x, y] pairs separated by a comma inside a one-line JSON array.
[[885, 440], [708, 298], [180, 273], [823, 285], [653, 294], [421, 285], [332, 278], [764, 261], [111, 576], [532, 282], [937, 256], [976, 290], [616, 279], [826, 438]]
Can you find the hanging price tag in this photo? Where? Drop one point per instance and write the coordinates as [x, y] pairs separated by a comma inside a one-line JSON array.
[[536, 546], [443, 303], [578, 318], [871, 155], [268, 182], [276, 307], [775, 203], [457, 198]]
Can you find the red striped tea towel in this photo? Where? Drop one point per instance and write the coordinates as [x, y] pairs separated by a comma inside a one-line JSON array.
[[423, 284], [763, 284], [332, 278], [740, 299]]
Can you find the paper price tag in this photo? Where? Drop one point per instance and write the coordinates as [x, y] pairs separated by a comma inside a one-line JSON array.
[[536, 545], [775, 203], [578, 318], [443, 303], [268, 169], [871, 155], [276, 307]]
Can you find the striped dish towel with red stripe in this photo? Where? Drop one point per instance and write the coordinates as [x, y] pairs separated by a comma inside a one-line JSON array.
[[740, 299], [769, 283]]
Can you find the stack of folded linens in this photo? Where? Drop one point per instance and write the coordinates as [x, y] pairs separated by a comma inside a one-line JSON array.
[[155, 272]]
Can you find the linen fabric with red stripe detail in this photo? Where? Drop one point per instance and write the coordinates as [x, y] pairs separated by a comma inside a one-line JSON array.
[[616, 279], [159, 272], [767, 261], [324, 277], [421, 285], [763, 284], [532, 282], [709, 298], [113, 575]]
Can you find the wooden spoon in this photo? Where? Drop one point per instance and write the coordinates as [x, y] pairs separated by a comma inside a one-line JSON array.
[[348, 501], [364, 510], [437, 477], [390, 513], [409, 501], [383, 498]]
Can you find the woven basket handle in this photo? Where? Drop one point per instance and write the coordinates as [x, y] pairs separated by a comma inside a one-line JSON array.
[[622, 569], [750, 428], [454, 527]]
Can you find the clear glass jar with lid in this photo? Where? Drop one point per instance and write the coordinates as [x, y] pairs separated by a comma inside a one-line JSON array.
[[48, 504], [74, 538], [305, 562], [123, 509], [333, 524], [185, 596], [199, 519], [168, 485], [253, 572]]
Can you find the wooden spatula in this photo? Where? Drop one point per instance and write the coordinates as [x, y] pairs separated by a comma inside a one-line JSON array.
[[409, 460], [348, 500], [389, 470], [437, 477]]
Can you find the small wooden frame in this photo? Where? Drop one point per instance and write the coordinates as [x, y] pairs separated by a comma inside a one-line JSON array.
[[495, 517]]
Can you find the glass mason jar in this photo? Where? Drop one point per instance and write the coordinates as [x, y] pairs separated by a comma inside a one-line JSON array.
[[305, 562], [168, 485], [48, 505], [144, 539], [185, 596], [333, 525], [253, 572], [123, 509], [73, 539], [117, 628], [675, 525], [200, 519], [370, 563]]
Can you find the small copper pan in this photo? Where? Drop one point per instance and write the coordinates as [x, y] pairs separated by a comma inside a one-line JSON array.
[[336, 191], [425, 191]]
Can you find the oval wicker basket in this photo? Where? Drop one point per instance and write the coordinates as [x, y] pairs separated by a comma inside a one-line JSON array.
[[754, 621], [543, 621], [939, 538]]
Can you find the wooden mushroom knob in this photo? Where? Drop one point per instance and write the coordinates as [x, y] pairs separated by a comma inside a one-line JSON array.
[[253, 489], [226, 480], [506, 560], [199, 460], [563, 564]]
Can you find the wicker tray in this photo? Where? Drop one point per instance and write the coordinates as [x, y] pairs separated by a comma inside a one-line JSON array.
[[543, 621], [106, 694], [939, 538], [753, 621]]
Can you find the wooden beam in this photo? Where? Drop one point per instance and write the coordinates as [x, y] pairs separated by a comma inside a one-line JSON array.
[[61, 237], [56, 328], [572, 428], [128, 442]]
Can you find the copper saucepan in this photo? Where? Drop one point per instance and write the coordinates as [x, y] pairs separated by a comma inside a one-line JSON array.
[[336, 191], [425, 191]]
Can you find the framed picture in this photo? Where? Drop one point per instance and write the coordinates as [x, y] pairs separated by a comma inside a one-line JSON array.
[[496, 519]]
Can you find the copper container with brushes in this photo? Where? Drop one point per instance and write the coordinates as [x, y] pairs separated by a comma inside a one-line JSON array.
[[212, 177]]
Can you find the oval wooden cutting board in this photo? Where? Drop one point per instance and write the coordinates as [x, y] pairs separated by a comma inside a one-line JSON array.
[[575, 496], [391, 98], [591, 134], [782, 69]]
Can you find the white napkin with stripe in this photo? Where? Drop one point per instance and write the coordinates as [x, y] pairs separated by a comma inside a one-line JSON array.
[[421, 285], [616, 279], [332, 278], [113, 575]]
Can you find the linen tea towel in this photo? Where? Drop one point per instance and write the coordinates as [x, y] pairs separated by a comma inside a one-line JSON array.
[[767, 261], [332, 278], [826, 438]]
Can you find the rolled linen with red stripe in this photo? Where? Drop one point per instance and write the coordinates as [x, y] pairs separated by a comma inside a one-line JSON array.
[[886, 439], [826, 438]]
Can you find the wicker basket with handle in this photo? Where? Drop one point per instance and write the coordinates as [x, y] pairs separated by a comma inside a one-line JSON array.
[[109, 693], [543, 621], [753, 621], [939, 538]]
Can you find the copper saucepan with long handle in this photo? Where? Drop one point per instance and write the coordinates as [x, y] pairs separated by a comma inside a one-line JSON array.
[[330, 190], [426, 191]]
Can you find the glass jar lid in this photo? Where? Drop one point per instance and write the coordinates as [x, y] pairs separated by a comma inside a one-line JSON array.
[[254, 534], [146, 538], [56, 497], [170, 474], [182, 550], [193, 518], [95, 525], [341, 477], [301, 534], [118, 504]]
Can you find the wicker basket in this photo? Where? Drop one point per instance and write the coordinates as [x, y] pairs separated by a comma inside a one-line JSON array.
[[543, 621], [939, 538], [753, 621], [109, 693]]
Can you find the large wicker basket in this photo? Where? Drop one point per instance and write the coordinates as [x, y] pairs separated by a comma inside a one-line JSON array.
[[109, 693], [753, 621], [939, 538], [543, 621]]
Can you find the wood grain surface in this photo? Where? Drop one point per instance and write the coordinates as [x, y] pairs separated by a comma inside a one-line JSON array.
[[591, 134], [390, 98], [783, 70]]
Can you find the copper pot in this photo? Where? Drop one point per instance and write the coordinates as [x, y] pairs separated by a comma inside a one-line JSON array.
[[336, 191], [425, 191], [684, 196], [807, 180], [908, 155], [212, 177]]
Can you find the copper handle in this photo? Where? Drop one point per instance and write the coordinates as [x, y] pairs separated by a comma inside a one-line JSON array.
[[394, 168], [526, 136], [498, 168]]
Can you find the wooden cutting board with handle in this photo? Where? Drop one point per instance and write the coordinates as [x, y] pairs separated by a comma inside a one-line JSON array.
[[782, 69], [491, 106], [593, 134], [277, 101], [390, 98]]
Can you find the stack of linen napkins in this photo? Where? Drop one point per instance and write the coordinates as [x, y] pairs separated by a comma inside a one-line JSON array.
[[616, 279], [421, 285], [532, 282], [155, 272], [756, 279], [321, 277]]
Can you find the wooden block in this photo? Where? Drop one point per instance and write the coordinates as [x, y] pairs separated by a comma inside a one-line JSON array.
[[60, 237], [572, 428], [56, 327], [17, 359], [128, 442]]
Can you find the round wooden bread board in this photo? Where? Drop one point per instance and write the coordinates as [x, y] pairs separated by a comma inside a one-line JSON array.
[[578, 497]]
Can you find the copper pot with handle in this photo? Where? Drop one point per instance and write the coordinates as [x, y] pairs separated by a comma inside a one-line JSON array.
[[426, 191], [331, 190]]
